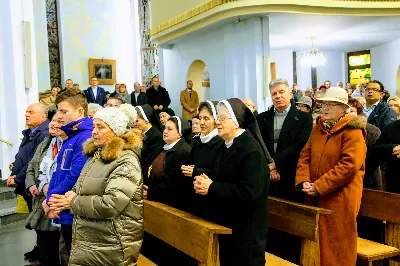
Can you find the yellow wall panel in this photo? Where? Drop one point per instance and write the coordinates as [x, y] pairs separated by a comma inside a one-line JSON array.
[[163, 10]]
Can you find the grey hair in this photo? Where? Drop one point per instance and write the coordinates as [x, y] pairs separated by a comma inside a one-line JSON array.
[[277, 82], [221, 106], [94, 107]]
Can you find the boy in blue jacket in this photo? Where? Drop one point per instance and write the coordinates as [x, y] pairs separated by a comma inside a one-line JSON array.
[[72, 109]]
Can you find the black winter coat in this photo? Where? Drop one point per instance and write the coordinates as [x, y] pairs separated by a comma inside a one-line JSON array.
[[383, 150], [293, 137], [203, 156], [239, 196], [141, 99], [173, 188], [382, 115], [152, 145], [159, 97], [25, 153]]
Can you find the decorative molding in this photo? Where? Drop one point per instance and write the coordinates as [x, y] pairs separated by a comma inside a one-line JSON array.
[[188, 15], [368, 0]]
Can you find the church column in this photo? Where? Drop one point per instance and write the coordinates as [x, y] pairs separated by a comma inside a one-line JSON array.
[[15, 93]]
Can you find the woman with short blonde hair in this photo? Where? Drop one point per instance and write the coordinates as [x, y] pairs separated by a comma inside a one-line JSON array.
[[394, 103]]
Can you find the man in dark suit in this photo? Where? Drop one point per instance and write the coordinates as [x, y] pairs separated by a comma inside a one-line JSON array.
[[285, 131], [158, 96], [95, 94], [138, 97]]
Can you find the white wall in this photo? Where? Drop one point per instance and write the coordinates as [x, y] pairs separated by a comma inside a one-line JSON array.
[[99, 29], [334, 70], [283, 63], [385, 61], [42, 50], [14, 96], [233, 54]]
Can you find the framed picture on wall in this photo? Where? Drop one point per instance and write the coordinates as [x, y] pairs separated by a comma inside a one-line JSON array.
[[359, 66], [104, 69]]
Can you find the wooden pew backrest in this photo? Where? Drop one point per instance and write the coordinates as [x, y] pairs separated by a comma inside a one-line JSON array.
[[383, 206], [300, 220], [196, 237]]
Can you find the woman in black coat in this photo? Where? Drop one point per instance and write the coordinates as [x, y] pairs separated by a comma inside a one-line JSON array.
[[167, 184], [204, 153], [147, 121], [238, 186]]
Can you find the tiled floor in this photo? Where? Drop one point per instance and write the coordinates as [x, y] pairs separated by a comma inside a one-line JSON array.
[[15, 240]]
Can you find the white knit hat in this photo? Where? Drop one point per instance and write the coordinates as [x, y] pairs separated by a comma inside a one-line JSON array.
[[114, 118], [130, 112]]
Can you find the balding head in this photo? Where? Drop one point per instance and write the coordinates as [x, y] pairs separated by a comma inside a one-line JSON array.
[[35, 115], [250, 104]]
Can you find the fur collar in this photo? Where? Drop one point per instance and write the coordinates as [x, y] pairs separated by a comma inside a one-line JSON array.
[[358, 122], [131, 140]]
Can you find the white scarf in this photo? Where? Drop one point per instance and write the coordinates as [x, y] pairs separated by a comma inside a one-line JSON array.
[[210, 136]]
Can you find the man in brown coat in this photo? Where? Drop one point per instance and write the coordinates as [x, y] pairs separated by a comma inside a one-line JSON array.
[[189, 101]]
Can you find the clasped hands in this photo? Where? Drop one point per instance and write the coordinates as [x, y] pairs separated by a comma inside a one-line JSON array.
[[202, 184], [273, 172], [309, 189], [187, 170], [58, 203], [396, 151]]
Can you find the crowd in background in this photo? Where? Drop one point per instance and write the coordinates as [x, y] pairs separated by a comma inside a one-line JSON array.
[[89, 158]]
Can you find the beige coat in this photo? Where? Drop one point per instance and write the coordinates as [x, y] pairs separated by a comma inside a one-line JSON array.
[[334, 162], [108, 208], [189, 102]]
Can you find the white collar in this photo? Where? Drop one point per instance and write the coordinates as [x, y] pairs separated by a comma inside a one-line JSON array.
[[210, 136], [170, 146], [229, 144]]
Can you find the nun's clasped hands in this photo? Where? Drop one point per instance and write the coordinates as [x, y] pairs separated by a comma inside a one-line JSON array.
[[202, 184]]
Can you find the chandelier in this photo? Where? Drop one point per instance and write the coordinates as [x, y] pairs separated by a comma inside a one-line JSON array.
[[313, 57]]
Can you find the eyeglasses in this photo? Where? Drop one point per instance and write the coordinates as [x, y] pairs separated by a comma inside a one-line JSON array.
[[329, 105], [222, 118], [373, 89]]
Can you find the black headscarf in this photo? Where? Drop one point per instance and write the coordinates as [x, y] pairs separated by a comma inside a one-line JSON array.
[[168, 111], [149, 115], [246, 120]]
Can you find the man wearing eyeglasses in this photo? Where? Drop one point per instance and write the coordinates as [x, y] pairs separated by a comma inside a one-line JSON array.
[[378, 112]]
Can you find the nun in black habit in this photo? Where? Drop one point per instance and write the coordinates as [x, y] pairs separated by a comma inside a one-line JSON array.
[[238, 186], [204, 153], [168, 185], [147, 121]]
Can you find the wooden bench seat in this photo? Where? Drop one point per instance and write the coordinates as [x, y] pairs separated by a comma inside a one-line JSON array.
[[382, 206], [371, 251], [143, 261], [272, 260]]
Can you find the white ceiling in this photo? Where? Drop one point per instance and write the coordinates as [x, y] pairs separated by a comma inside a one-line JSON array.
[[332, 33]]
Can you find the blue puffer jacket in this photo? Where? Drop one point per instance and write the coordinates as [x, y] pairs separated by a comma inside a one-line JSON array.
[[70, 161]]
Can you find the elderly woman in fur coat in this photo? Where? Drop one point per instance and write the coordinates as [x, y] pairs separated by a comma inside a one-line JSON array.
[[330, 172], [107, 201]]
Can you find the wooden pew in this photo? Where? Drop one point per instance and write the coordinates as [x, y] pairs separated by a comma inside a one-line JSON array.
[[300, 220], [194, 236], [382, 206]]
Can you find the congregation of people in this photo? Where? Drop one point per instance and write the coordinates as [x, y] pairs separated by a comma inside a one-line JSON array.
[[89, 159]]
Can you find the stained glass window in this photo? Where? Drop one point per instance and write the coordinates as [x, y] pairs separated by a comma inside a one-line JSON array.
[[359, 65], [149, 53], [53, 43]]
